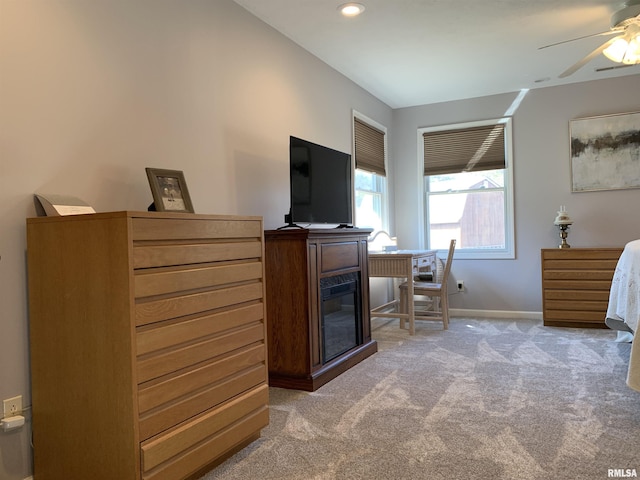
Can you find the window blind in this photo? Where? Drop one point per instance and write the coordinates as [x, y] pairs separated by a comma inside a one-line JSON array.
[[369, 148], [464, 150]]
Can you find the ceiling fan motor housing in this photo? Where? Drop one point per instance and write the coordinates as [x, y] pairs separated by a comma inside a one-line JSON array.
[[626, 16]]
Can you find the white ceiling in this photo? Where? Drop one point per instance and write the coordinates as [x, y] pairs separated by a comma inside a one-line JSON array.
[[416, 52]]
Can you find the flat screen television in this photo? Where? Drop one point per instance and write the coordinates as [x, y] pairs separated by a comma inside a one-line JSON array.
[[321, 184]]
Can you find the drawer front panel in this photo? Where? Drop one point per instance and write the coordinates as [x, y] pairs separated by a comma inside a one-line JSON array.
[[193, 460], [164, 335], [577, 295], [587, 285], [165, 309], [580, 275], [190, 461], [424, 261], [147, 256], [387, 267], [152, 282], [578, 265], [590, 306], [582, 316], [580, 254], [185, 383], [160, 419], [165, 362], [338, 256], [424, 264], [185, 229], [158, 450]]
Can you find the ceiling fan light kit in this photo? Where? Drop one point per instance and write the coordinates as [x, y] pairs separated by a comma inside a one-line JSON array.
[[624, 48]]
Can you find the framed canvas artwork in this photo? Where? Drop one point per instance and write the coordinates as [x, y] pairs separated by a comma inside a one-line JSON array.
[[605, 152]]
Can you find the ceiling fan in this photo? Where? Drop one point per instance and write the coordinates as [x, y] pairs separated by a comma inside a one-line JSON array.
[[623, 48]]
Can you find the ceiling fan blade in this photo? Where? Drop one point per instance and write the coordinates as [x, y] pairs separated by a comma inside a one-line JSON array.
[[577, 66], [608, 32]]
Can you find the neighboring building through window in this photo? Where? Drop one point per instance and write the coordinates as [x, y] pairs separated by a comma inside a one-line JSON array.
[[370, 147], [468, 188]]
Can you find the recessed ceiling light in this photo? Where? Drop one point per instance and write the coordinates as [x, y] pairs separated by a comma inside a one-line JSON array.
[[351, 9]]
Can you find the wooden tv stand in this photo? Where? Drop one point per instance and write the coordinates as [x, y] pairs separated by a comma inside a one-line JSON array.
[[299, 264]]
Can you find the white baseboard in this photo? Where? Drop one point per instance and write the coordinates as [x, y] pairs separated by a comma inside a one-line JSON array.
[[462, 312], [28, 478]]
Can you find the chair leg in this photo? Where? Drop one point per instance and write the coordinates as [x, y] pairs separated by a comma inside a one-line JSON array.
[[444, 305], [404, 307]]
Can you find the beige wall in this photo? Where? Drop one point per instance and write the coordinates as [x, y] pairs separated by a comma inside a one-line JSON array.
[[92, 92]]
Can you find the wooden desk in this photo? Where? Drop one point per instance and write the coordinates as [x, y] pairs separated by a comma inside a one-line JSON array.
[[401, 264]]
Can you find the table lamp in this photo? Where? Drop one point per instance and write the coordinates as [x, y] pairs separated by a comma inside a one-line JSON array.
[[563, 221]]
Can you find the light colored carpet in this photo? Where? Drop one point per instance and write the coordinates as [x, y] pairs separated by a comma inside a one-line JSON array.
[[486, 399]]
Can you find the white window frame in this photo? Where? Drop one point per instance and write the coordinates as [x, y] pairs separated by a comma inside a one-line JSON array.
[[383, 180], [509, 221]]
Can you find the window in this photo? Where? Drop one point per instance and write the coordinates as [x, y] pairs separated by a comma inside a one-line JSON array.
[[468, 188], [370, 200], [370, 144]]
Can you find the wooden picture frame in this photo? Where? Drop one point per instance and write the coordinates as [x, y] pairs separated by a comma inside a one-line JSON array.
[[605, 152], [169, 190]]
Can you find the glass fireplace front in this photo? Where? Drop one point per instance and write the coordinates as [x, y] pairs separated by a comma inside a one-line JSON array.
[[340, 323]]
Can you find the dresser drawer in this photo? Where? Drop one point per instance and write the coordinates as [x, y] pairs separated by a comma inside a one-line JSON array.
[[169, 334], [167, 361], [424, 264], [149, 256], [153, 229], [166, 281], [154, 394], [160, 419], [190, 446], [167, 308], [338, 256]]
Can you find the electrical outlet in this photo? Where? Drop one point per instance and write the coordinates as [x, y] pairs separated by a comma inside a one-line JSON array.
[[460, 286], [12, 406]]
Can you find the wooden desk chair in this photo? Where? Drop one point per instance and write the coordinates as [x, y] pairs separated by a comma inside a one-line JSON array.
[[437, 307]]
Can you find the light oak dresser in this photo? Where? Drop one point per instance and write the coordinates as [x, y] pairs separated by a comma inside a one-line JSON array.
[[576, 284], [147, 341]]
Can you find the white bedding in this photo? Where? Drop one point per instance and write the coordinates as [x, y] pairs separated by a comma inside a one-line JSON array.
[[624, 305]]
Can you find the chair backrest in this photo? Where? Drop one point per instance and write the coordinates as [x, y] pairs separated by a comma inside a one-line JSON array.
[[447, 265]]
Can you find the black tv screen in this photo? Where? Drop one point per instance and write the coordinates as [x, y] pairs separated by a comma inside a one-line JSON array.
[[321, 184]]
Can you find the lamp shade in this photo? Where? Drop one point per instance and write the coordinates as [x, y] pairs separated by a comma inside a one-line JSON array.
[[626, 48], [615, 52], [563, 217]]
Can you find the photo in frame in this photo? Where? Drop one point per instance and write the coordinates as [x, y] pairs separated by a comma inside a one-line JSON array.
[[605, 152], [169, 190]]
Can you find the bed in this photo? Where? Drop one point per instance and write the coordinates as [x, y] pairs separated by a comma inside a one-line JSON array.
[[624, 306]]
